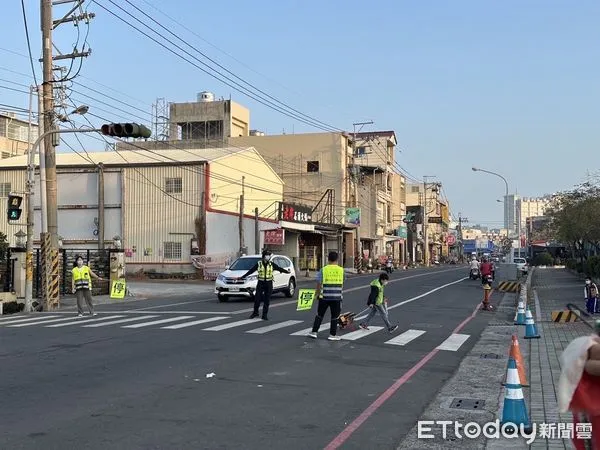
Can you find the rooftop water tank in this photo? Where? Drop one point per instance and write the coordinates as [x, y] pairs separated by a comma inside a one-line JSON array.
[[206, 96]]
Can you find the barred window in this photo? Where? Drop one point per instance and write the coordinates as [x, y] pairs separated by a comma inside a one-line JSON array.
[[173, 185], [4, 189], [172, 250]]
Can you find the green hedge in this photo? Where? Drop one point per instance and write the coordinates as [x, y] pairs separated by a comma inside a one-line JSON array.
[[590, 267], [543, 259]]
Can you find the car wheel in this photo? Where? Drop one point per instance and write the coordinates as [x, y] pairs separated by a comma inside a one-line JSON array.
[[291, 289], [222, 298]]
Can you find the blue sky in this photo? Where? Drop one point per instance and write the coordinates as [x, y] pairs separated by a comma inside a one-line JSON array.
[[510, 86]]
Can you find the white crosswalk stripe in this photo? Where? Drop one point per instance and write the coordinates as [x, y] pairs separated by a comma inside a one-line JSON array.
[[193, 323], [302, 332], [79, 321], [227, 326], [117, 322], [359, 334], [406, 337], [30, 319], [158, 322], [454, 342], [29, 324], [276, 326]]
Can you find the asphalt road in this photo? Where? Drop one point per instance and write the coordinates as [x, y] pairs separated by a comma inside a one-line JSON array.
[[148, 375]]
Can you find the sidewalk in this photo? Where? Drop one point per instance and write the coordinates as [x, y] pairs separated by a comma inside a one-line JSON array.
[[481, 373]]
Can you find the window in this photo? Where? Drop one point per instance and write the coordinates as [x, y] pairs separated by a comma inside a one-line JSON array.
[[415, 189], [312, 166], [244, 263], [4, 189], [173, 185], [284, 263], [172, 250], [5, 155]]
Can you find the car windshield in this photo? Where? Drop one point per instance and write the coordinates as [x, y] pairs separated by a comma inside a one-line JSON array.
[[520, 261], [243, 263]]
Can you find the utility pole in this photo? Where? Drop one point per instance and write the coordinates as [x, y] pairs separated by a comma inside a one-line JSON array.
[[30, 210], [356, 173], [50, 239], [426, 187], [256, 232], [241, 218], [461, 220]]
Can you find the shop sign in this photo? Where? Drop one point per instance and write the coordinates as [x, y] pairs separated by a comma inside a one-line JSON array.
[[402, 231], [275, 237], [291, 212], [353, 216]]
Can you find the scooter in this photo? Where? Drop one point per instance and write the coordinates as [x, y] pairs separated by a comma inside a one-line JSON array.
[[474, 274], [389, 267]]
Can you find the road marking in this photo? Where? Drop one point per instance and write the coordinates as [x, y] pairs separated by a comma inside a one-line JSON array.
[[359, 334], [305, 332], [79, 321], [191, 324], [174, 304], [117, 311], [418, 296], [116, 322], [276, 326], [239, 323], [28, 324], [406, 337], [31, 319], [290, 302], [341, 438], [454, 342], [158, 322]]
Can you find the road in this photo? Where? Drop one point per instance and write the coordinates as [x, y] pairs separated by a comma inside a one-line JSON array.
[[138, 376]]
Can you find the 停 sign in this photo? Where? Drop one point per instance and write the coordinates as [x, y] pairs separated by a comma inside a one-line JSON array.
[[275, 237], [290, 212]]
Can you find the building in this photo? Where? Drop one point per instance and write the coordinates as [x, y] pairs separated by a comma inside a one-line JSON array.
[[531, 207], [164, 206], [510, 214], [208, 120], [14, 136]]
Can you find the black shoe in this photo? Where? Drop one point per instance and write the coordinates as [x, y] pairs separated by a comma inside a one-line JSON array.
[[392, 329], [264, 317], [253, 315]]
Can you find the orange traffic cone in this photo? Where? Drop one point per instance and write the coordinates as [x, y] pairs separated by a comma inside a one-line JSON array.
[[515, 353]]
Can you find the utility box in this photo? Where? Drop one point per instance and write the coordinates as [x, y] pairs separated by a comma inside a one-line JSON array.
[[18, 274]]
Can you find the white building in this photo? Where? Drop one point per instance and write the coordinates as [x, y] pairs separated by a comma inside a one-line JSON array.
[[164, 205]]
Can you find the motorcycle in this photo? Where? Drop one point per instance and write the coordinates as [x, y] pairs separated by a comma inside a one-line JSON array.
[[474, 274], [389, 267]]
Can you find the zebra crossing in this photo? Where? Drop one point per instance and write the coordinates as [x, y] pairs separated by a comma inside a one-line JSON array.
[[219, 324]]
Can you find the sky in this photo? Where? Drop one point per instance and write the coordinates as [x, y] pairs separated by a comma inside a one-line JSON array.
[[512, 87]]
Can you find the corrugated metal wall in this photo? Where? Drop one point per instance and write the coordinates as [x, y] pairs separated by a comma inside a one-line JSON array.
[[153, 217]]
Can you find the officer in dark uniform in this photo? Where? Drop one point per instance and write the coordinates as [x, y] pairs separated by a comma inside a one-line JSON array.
[[264, 287]]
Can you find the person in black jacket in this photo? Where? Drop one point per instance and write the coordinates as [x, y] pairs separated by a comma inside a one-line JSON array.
[[377, 303], [264, 287]]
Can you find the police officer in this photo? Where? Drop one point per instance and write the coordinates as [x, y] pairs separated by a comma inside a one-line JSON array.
[[264, 287], [330, 285]]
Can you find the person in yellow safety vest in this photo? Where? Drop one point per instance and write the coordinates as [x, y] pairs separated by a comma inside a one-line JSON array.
[[264, 286], [81, 285], [330, 287], [377, 303]]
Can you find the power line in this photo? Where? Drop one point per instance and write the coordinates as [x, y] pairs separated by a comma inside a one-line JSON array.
[[228, 81], [28, 41]]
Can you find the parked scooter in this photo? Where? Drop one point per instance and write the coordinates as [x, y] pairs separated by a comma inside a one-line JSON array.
[[475, 274]]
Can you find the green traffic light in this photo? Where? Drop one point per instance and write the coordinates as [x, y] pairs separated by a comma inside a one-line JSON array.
[[14, 214]]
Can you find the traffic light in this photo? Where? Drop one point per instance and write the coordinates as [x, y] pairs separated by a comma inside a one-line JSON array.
[[14, 207], [125, 130]]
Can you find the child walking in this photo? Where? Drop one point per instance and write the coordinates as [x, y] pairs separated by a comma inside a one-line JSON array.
[[591, 296], [377, 303]]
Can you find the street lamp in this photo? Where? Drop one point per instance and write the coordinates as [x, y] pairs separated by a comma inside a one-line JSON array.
[[80, 110], [60, 241], [117, 242], [20, 238], [476, 169]]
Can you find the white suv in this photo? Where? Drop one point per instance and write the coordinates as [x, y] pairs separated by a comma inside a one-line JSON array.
[[521, 264], [228, 284]]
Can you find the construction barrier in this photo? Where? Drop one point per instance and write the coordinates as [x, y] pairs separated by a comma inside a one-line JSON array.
[[508, 286], [565, 316]]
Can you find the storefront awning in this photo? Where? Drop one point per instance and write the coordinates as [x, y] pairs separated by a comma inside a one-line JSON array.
[[393, 238], [296, 226]]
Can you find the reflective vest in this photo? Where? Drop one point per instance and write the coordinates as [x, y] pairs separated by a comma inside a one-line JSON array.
[[82, 278], [333, 282], [265, 272], [379, 286]]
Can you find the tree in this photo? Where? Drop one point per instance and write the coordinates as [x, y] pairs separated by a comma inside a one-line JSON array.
[[574, 217], [3, 246]]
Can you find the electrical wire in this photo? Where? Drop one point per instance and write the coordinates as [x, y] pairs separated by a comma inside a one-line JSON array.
[[222, 78], [28, 40]]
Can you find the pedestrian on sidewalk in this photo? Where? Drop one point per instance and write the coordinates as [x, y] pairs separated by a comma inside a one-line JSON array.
[[264, 285], [590, 294], [81, 285], [378, 303], [330, 286]]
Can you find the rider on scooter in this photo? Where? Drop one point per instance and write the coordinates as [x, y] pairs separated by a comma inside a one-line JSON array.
[[474, 264], [486, 270]]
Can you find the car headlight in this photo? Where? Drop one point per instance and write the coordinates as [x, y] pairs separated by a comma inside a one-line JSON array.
[[221, 278], [252, 278]]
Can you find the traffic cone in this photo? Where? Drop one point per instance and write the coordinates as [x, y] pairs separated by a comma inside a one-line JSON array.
[[515, 410], [531, 331], [515, 353], [520, 317]]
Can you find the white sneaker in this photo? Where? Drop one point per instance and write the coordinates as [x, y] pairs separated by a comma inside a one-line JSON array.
[[312, 335], [334, 338], [79, 315]]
